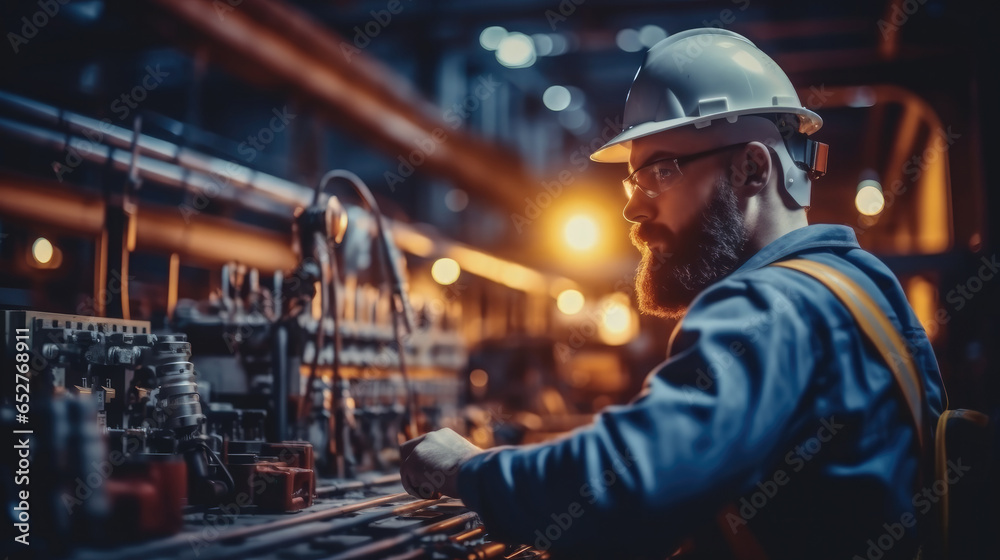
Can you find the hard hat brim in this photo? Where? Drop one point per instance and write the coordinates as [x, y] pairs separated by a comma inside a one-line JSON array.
[[618, 149]]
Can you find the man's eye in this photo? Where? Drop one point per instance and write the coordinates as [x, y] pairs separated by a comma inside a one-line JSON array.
[[663, 173]]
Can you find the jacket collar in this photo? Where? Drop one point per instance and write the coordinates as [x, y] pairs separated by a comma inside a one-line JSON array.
[[816, 236]]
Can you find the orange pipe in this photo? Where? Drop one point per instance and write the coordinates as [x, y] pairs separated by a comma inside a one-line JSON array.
[[205, 239]]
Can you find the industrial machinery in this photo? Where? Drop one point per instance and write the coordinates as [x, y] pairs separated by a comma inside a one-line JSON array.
[[263, 421], [137, 452], [259, 412]]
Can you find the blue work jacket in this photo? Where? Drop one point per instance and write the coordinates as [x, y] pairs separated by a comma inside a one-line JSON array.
[[771, 401]]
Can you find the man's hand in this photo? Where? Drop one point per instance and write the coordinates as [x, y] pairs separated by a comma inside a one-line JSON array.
[[429, 463]]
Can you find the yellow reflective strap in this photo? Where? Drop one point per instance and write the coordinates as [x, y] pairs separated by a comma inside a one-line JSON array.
[[877, 327]]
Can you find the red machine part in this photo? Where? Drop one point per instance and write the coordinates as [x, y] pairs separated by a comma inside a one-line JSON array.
[[147, 499], [286, 483]]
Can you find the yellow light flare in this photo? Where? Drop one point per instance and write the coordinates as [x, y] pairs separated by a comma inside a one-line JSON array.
[[570, 302], [445, 271], [869, 200], [616, 318], [42, 250], [581, 232], [619, 323]]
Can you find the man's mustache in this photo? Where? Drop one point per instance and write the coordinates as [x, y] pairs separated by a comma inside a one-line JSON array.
[[643, 234]]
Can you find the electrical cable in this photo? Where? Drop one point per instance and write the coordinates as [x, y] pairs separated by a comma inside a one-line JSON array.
[[232, 483], [400, 302], [323, 258]]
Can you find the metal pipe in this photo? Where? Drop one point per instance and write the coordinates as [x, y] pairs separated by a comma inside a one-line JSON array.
[[888, 47], [385, 545], [227, 184], [173, 282], [99, 132], [244, 532], [37, 202], [273, 38], [215, 240], [186, 540], [276, 541], [473, 533], [279, 380], [354, 485], [493, 550], [414, 239], [27, 200]]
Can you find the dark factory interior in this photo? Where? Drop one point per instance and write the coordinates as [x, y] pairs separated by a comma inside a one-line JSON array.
[[251, 249]]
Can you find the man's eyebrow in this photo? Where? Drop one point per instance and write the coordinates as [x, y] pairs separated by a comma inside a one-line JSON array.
[[655, 156]]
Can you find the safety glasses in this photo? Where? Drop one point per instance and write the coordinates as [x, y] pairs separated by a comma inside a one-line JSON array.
[[658, 177]]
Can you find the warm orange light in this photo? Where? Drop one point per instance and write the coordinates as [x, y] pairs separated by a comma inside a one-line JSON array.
[[581, 232], [479, 378], [619, 322], [922, 295], [445, 271], [570, 302], [42, 250]]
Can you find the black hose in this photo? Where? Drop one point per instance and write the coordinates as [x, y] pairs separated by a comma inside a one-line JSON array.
[[400, 304], [323, 257]]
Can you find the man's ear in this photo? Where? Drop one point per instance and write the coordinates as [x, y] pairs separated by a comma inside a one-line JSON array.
[[751, 169]]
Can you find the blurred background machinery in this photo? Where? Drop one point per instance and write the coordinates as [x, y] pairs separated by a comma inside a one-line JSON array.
[[228, 341]]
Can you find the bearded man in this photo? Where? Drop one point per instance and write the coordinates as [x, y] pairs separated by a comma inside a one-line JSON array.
[[773, 429]]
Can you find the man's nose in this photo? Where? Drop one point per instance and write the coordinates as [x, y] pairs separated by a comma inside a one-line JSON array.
[[639, 208]]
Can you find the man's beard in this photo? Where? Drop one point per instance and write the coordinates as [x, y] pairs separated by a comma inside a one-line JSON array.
[[710, 249]]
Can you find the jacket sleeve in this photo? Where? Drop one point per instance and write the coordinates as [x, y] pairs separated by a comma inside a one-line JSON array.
[[710, 422]]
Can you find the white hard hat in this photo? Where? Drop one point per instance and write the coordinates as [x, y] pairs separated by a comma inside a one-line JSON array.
[[703, 75]]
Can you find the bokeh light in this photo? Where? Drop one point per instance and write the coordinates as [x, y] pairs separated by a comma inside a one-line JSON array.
[[445, 271], [490, 37], [516, 50], [581, 232], [556, 98], [42, 250], [570, 302], [869, 200]]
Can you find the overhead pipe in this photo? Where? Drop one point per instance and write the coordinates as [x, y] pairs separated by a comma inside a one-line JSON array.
[[274, 39], [160, 161], [47, 203], [184, 229]]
